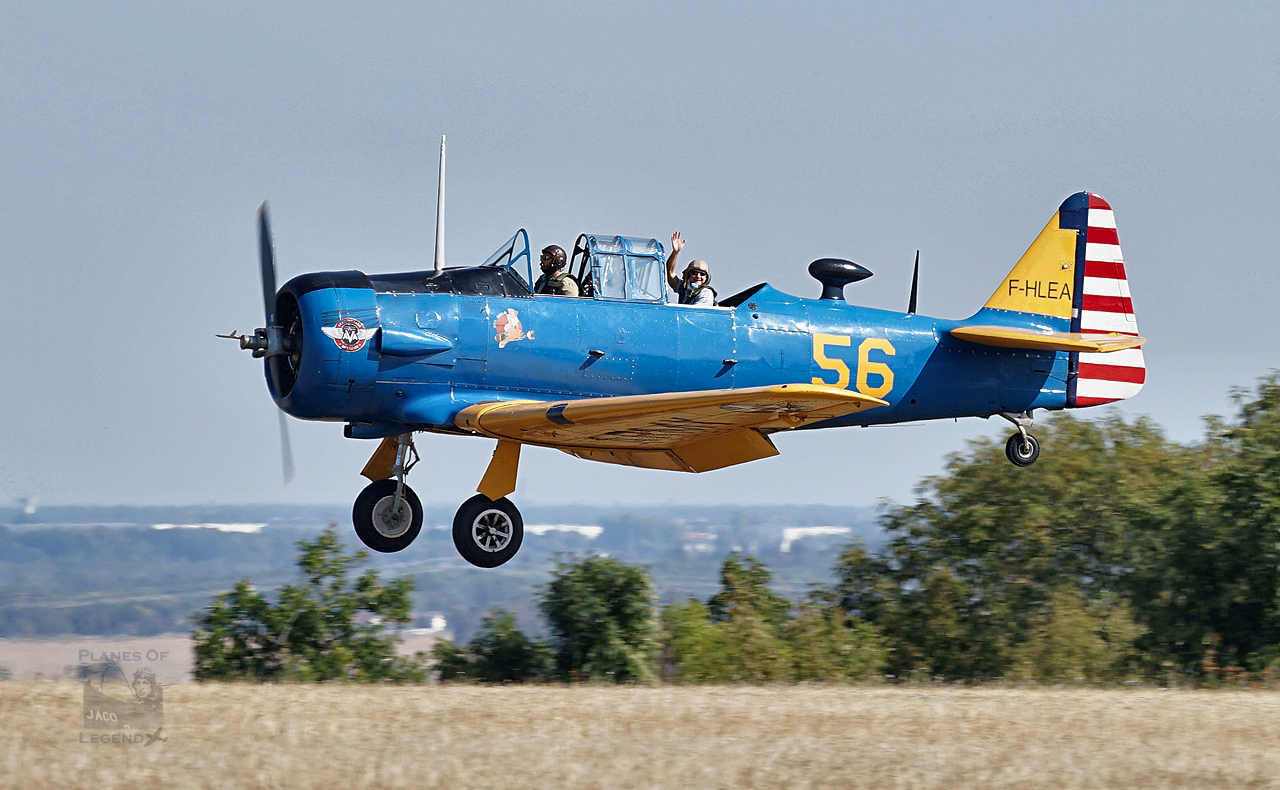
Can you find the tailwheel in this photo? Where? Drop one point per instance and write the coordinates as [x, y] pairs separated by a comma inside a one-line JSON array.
[[487, 532], [381, 524], [1022, 449]]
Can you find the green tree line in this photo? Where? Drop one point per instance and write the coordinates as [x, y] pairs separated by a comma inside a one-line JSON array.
[[327, 627], [1119, 555]]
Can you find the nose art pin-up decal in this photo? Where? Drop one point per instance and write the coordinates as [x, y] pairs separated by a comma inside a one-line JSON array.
[[349, 334], [509, 328]]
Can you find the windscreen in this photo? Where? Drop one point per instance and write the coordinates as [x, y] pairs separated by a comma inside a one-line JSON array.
[[511, 254]]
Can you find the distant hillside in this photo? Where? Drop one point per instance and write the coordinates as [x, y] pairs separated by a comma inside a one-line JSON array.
[[109, 570]]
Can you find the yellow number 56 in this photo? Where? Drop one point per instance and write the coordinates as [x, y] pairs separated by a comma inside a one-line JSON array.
[[866, 367]]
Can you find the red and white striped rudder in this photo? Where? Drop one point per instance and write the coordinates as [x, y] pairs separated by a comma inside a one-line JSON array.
[[1105, 306]]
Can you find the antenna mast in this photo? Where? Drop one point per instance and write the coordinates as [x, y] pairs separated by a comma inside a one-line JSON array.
[[440, 213], [915, 282]]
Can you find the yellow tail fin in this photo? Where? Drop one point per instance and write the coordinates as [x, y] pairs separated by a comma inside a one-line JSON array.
[[1044, 276]]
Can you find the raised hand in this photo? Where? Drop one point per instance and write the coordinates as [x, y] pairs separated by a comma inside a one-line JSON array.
[[677, 242]]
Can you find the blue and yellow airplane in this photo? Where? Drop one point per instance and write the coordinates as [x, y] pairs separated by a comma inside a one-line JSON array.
[[624, 376]]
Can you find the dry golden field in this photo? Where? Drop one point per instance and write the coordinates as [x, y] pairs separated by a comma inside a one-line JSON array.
[[335, 736]]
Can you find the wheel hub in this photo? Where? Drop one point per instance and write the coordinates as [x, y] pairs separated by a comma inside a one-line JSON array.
[[491, 530], [389, 521]]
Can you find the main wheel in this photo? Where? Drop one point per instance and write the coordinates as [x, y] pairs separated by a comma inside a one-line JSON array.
[[1022, 453], [379, 524], [487, 533]]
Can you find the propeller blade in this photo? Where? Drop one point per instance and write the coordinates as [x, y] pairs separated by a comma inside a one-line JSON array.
[[267, 268], [267, 261], [915, 281], [277, 376], [286, 450]]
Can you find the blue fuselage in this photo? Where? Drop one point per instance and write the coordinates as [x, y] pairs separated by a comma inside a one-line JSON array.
[[437, 352]]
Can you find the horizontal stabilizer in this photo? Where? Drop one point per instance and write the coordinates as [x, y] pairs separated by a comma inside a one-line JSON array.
[[1016, 337]]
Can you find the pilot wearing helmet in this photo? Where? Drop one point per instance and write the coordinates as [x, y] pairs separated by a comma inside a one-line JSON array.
[[694, 286], [555, 280]]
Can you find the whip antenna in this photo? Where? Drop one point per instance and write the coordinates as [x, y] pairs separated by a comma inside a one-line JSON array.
[[440, 214], [915, 282]]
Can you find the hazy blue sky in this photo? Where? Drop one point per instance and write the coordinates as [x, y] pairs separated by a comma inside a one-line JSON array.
[[136, 142]]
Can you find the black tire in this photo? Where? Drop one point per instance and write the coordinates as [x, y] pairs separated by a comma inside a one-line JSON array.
[[1022, 453], [376, 526], [487, 533]]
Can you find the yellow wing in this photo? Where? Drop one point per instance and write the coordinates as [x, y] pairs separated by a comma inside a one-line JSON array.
[[1014, 337], [683, 431]]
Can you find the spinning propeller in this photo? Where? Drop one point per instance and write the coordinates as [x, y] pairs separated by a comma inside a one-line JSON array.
[[280, 342]]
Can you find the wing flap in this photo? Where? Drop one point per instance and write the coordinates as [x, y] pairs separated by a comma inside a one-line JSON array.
[[644, 459], [661, 421], [717, 452], [1016, 337], [702, 455]]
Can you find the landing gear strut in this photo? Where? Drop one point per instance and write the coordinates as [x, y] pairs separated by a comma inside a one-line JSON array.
[[387, 514], [488, 529], [1022, 449]]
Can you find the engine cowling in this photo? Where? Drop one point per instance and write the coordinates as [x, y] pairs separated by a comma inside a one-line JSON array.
[[330, 324]]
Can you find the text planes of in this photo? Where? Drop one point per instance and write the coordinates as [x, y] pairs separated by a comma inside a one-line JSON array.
[[622, 376]]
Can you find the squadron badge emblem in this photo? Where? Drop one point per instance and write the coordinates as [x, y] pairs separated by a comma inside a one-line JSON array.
[[509, 328], [349, 334]]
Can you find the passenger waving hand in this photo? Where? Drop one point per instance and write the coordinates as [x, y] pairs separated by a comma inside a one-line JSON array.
[[694, 286]]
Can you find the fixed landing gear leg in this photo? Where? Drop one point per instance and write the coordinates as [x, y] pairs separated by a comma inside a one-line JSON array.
[[488, 529], [404, 444], [387, 514], [1022, 449]]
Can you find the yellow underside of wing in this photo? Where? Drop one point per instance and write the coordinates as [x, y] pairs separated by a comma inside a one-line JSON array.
[[1013, 337], [701, 455], [683, 431]]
